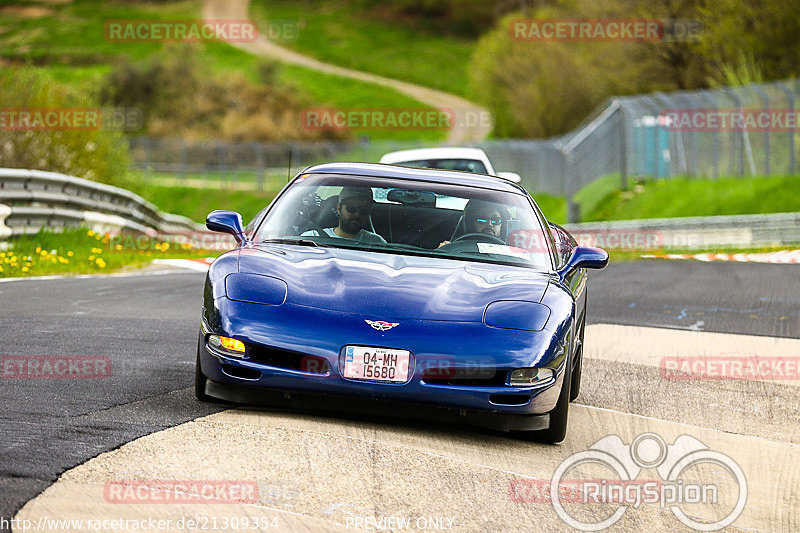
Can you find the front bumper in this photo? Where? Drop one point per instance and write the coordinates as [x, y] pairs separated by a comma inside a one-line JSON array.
[[499, 406], [342, 404]]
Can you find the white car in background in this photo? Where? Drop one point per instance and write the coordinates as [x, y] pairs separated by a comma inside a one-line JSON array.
[[448, 158]]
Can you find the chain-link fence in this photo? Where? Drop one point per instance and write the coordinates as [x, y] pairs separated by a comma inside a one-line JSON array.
[[742, 131]]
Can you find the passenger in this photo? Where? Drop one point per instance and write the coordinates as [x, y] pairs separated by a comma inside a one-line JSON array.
[[353, 210]]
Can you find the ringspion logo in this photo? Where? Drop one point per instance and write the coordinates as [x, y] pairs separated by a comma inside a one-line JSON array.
[[692, 478]]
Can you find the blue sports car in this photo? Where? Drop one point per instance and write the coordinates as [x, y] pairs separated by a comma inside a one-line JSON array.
[[376, 288]]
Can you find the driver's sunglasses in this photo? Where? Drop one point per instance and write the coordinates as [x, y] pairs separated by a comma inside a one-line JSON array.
[[492, 221], [364, 209]]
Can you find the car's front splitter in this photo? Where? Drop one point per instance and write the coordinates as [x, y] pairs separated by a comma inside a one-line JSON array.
[[343, 404]]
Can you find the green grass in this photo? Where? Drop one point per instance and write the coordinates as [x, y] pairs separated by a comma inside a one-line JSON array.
[[678, 197], [82, 251], [682, 197], [69, 45], [196, 203], [333, 31]]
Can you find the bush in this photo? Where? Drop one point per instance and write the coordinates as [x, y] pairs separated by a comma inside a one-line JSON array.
[[99, 154], [180, 97], [545, 88], [469, 18]]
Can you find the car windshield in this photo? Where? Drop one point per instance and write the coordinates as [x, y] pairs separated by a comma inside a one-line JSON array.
[[403, 216], [464, 165]]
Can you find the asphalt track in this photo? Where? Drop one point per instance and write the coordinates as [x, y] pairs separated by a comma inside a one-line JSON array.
[[323, 473]]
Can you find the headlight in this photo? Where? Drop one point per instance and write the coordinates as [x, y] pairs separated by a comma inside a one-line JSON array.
[[516, 314], [525, 377], [254, 288], [227, 345]]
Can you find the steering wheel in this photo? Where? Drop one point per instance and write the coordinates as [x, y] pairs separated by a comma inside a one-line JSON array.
[[479, 236], [312, 224]]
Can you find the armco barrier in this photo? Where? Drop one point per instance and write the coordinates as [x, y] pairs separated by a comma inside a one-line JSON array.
[[34, 199], [738, 231]]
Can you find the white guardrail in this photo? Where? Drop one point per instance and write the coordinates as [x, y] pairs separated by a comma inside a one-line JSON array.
[[33, 199], [737, 231]]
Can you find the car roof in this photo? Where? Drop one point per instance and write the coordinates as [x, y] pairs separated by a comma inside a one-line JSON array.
[[445, 152], [422, 174]]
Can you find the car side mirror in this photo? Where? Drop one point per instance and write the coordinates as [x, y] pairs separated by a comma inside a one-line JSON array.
[[584, 257], [226, 222], [510, 176]]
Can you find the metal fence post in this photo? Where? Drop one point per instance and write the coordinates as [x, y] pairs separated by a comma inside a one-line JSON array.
[[735, 98], [623, 146], [765, 98], [790, 98], [261, 170], [573, 208]]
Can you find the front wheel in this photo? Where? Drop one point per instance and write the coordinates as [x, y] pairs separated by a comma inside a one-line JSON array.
[[200, 380], [558, 416], [575, 387]]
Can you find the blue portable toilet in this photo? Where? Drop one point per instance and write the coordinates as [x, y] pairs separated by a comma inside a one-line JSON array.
[[651, 146]]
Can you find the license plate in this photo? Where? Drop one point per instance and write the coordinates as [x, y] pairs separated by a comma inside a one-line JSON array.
[[376, 364]]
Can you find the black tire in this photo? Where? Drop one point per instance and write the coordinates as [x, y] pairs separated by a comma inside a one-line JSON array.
[[575, 386], [200, 381], [558, 416]]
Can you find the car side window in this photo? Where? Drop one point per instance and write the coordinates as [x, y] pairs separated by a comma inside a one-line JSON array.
[[564, 243]]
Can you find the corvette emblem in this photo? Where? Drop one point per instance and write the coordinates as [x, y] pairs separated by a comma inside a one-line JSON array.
[[380, 325]]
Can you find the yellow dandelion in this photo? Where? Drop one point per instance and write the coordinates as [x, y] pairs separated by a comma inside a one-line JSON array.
[[38, 249], [90, 233], [91, 258], [118, 247], [70, 254], [100, 262], [25, 269]]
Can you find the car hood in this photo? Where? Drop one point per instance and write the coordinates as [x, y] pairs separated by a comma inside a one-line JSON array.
[[391, 287]]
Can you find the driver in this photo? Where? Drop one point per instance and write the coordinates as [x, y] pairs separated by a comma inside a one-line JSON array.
[[353, 210], [484, 217]]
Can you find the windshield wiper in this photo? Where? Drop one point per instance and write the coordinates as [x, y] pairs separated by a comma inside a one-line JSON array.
[[289, 240]]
